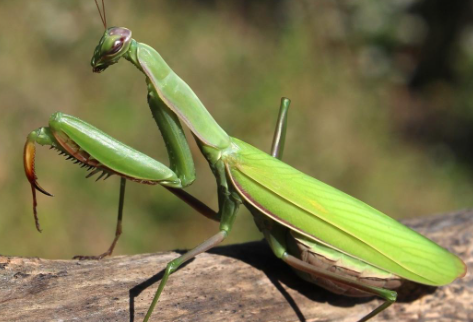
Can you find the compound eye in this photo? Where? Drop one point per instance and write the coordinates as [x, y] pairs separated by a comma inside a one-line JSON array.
[[117, 45]]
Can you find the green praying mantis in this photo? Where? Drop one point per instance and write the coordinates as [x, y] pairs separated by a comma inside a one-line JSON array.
[[328, 237]]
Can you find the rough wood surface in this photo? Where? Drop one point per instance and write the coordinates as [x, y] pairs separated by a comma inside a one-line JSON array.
[[233, 283]]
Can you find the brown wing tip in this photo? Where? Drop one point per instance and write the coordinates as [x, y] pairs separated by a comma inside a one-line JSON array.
[[465, 270]]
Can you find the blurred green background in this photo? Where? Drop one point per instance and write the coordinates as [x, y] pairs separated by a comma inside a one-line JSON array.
[[381, 108]]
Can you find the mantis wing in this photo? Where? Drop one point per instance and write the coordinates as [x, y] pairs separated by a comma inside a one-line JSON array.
[[329, 216]]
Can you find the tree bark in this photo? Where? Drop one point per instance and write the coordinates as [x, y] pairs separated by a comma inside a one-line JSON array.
[[232, 283]]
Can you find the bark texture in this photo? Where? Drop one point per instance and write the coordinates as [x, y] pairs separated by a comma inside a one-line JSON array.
[[232, 283]]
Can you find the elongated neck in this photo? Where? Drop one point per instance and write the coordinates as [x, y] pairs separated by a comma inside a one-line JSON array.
[[132, 54], [177, 95], [180, 156]]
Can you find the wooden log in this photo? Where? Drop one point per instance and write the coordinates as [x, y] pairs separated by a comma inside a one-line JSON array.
[[232, 283]]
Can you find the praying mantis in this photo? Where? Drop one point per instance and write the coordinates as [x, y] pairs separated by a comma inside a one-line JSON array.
[[328, 237]]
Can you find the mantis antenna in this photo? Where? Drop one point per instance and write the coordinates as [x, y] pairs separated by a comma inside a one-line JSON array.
[[103, 17]]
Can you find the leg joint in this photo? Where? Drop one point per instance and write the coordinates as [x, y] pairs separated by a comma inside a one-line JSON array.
[[171, 267]]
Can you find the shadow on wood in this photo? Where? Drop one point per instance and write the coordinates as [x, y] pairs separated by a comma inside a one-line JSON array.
[[232, 283]]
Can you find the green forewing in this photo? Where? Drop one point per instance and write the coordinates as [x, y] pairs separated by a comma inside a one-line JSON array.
[[334, 218], [110, 152]]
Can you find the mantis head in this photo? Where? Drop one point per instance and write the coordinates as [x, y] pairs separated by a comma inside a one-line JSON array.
[[113, 45]]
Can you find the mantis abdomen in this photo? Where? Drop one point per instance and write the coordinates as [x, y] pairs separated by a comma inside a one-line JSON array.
[[327, 259]]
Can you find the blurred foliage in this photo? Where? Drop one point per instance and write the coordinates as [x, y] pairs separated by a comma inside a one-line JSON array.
[[356, 120]]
